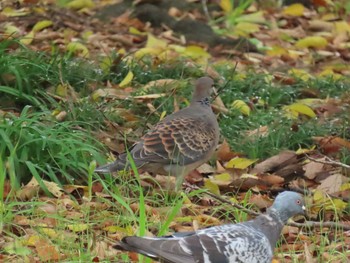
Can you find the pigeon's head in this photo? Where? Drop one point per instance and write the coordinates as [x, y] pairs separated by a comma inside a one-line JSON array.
[[289, 204], [203, 89]]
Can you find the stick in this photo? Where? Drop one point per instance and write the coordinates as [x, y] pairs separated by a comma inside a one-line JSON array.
[[328, 161], [307, 224]]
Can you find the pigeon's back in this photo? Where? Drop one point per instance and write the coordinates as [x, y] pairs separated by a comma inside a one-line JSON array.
[[222, 244]]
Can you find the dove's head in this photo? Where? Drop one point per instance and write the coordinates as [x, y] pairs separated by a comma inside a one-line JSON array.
[[289, 204], [203, 89]]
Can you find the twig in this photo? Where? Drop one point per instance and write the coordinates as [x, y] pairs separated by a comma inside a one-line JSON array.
[[223, 200], [307, 224], [313, 224], [205, 9], [225, 85], [308, 192], [328, 161]]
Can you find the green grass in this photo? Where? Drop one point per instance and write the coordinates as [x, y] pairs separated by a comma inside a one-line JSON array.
[[66, 151]]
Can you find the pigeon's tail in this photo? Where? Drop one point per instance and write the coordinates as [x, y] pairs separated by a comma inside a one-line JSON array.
[[130, 243], [111, 167]]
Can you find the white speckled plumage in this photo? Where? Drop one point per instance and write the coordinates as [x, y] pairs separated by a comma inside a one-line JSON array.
[[247, 242]]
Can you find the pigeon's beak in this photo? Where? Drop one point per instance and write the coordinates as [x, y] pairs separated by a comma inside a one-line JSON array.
[[304, 209]]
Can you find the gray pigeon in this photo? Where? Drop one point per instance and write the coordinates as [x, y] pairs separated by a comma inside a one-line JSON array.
[[180, 142], [249, 242]]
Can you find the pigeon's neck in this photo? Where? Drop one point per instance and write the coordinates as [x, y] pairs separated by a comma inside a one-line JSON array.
[[271, 225], [203, 102]]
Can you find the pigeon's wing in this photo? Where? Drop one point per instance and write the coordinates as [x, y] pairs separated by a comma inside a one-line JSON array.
[[168, 250], [181, 140], [229, 243]]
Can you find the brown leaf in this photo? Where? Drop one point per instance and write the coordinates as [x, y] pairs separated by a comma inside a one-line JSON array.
[[224, 152], [272, 179], [274, 162], [261, 201], [46, 251], [308, 255], [331, 144], [331, 184], [312, 169]]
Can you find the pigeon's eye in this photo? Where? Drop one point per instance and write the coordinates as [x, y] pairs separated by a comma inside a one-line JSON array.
[[298, 202]]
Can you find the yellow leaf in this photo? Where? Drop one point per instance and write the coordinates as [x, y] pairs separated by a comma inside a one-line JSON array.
[[341, 27], [337, 204], [245, 28], [240, 163], [276, 51], [298, 108], [330, 17], [11, 30], [86, 34], [224, 177], [311, 102], [78, 227], [212, 187], [196, 52], [113, 229], [162, 115], [62, 90], [294, 10], [27, 39], [257, 18], [49, 232], [314, 42], [226, 5], [75, 47], [330, 73], [305, 150], [135, 31], [53, 188], [106, 64], [147, 51], [153, 42], [31, 241], [128, 78], [79, 4], [345, 187], [241, 106], [10, 12], [302, 74], [318, 196], [177, 48], [41, 25]]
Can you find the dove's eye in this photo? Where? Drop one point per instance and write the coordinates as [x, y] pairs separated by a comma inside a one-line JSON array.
[[298, 202]]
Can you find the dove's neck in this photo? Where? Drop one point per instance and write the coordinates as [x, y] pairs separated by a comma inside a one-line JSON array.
[[203, 102]]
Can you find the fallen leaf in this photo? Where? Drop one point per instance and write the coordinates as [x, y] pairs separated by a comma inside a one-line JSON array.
[[241, 106], [47, 251], [295, 109], [212, 187], [226, 5], [331, 184], [294, 10], [313, 41], [41, 25], [313, 168], [224, 152], [240, 163], [127, 80], [78, 48]]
